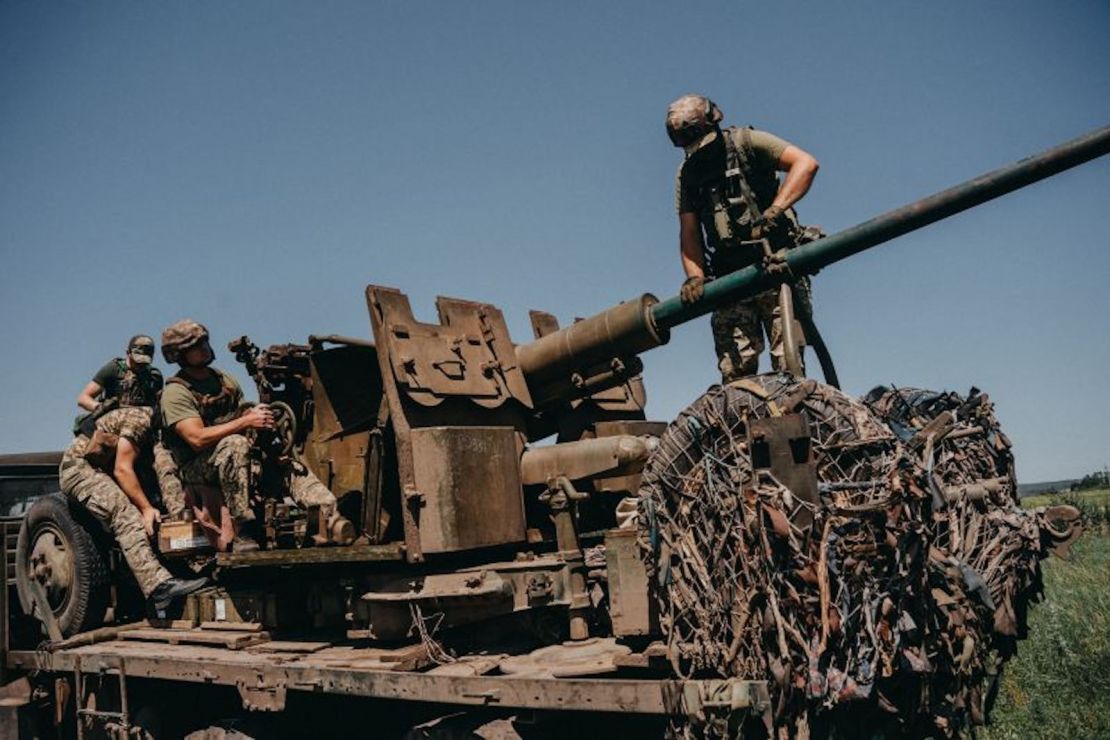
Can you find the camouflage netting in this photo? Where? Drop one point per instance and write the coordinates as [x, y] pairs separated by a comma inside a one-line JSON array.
[[901, 591]]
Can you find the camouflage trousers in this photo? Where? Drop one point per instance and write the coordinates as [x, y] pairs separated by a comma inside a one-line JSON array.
[[739, 329], [169, 481], [227, 465], [101, 495]]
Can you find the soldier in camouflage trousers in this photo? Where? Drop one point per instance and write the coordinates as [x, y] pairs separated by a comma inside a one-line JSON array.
[[228, 465], [734, 213], [99, 472], [204, 418], [738, 331], [169, 481], [132, 380]]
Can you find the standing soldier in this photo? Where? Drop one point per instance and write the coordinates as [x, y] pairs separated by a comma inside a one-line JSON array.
[[98, 471], [133, 380], [728, 198], [204, 417]]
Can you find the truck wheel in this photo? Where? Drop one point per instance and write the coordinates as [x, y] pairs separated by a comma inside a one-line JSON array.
[[57, 549]]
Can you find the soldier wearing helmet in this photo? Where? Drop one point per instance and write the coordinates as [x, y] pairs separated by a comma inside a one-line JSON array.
[[204, 417], [729, 197]]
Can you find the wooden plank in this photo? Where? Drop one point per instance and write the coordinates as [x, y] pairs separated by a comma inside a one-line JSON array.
[[170, 624], [288, 646], [654, 656], [312, 555], [229, 640], [232, 626], [469, 665], [404, 658]]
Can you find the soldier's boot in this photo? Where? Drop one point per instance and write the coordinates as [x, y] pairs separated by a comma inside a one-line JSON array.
[[167, 592], [247, 534]]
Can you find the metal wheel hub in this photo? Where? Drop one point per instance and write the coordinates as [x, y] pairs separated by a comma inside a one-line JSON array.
[[51, 564]]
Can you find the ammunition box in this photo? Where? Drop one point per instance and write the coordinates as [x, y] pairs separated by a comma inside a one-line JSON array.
[[261, 607], [176, 539]]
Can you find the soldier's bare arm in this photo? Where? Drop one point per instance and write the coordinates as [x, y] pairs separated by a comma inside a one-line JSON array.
[[690, 245], [800, 168], [124, 473], [87, 398], [200, 437]]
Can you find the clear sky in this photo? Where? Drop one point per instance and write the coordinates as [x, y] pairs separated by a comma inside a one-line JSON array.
[[254, 165]]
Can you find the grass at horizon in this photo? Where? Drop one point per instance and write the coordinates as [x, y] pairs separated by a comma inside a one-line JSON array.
[[1058, 685]]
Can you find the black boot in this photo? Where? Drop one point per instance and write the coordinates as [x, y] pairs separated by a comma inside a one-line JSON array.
[[167, 592]]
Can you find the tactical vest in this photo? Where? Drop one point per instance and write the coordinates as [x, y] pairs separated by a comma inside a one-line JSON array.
[[137, 389], [214, 408], [730, 205], [131, 389]]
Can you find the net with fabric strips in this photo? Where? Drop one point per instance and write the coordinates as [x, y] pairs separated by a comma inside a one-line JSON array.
[[898, 591]]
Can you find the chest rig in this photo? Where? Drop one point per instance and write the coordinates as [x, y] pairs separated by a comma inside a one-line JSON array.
[[137, 389], [731, 204], [215, 408]]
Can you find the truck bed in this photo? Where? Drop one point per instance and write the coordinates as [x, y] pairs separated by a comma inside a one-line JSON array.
[[264, 672]]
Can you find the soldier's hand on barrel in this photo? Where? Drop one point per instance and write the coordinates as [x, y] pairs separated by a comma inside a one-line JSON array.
[[151, 516], [692, 289], [772, 222], [260, 417]]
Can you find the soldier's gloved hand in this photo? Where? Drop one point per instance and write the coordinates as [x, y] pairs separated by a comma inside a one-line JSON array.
[[692, 289], [259, 417], [772, 222], [150, 517]]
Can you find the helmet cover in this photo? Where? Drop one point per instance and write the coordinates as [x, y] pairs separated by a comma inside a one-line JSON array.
[[180, 336], [692, 122]]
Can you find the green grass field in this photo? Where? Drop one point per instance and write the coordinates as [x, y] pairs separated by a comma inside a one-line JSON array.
[[1058, 686], [1099, 498]]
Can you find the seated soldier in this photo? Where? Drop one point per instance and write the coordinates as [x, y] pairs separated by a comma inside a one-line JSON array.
[[132, 380], [109, 488], [204, 417]]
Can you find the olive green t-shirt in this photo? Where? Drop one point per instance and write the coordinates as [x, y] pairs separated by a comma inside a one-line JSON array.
[[178, 403], [767, 150]]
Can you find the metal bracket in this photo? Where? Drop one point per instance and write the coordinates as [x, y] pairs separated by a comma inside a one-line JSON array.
[[262, 698], [714, 702]]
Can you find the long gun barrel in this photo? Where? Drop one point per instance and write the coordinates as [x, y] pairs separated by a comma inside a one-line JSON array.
[[647, 322]]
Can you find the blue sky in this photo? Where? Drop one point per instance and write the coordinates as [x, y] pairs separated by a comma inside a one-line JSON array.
[[255, 165]]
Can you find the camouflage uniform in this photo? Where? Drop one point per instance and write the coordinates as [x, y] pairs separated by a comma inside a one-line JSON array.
[[227, 463], [98, 492], [117, 380], [752, 156], [739, 329], [169, 481]]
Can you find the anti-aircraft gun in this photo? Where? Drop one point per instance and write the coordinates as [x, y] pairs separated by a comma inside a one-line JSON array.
[[426, 433], [428, 437]]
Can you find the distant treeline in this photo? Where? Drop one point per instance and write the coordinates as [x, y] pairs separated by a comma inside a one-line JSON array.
[[1091, 481]]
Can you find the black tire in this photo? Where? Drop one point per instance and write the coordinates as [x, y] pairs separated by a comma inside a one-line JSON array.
[[60, 534]]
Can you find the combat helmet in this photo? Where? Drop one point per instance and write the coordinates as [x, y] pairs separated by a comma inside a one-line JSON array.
[[691, 121], [180, 336]]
